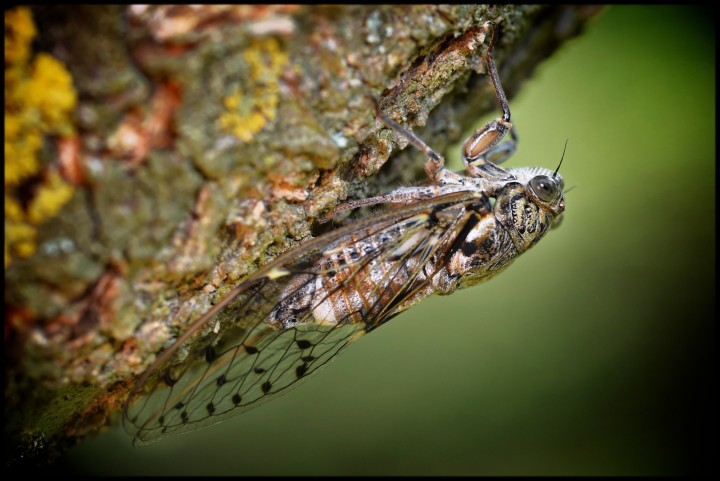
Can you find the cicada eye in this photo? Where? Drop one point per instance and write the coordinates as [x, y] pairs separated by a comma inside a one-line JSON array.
[[544, 187]]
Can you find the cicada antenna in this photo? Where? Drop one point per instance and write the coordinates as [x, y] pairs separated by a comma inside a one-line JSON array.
[[561, 158]]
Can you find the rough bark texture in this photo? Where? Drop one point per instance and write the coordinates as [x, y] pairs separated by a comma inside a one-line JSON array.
[[207, 140]]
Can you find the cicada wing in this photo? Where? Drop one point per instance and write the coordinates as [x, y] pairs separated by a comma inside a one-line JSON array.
[[245, 363], [284, 322]]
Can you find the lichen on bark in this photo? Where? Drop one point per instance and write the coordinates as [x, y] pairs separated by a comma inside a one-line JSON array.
[[209, 139]]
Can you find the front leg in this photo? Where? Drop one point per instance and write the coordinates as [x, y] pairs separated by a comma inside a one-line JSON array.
[[483, 150], [435, 165]]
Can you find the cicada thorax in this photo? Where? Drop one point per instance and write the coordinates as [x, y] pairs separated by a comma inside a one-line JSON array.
[[493, 235], [482, 249]]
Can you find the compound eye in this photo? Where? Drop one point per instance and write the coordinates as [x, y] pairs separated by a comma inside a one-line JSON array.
[[544, 187]]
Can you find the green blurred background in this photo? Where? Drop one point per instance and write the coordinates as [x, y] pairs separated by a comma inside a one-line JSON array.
[[592, 354]]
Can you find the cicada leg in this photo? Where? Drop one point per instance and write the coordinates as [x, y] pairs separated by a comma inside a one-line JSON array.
[[435, 165], [483, 150]]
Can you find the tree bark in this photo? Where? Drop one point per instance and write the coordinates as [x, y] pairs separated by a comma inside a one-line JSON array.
[[207, 140]]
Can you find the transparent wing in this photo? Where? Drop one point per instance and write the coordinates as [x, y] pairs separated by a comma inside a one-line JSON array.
[[290, 318], [243, 368]]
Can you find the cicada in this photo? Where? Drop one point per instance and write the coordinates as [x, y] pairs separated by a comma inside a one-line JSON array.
[[292, 316]]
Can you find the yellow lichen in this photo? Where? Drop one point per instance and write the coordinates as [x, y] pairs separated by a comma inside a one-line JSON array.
[[50, 197], [39, 101], [249, 109], [19, 32], [50, 91]]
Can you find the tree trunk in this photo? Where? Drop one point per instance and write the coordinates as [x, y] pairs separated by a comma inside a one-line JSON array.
[[206, 140]]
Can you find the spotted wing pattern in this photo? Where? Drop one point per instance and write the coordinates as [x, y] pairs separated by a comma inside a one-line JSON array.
[[294, 315]]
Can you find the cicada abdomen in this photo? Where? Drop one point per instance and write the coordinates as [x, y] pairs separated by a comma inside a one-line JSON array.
[[291, 317]]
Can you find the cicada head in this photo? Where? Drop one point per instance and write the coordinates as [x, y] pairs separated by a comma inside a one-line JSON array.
[[530, 205]]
